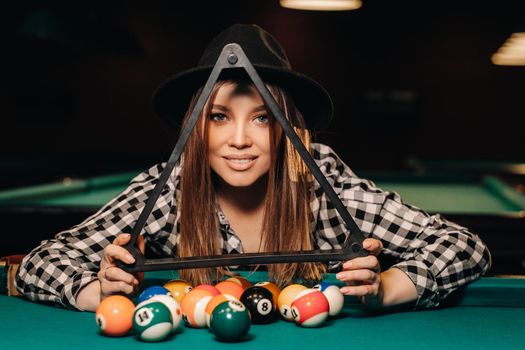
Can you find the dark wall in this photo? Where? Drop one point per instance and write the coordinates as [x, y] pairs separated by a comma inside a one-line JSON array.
[[408, 78]]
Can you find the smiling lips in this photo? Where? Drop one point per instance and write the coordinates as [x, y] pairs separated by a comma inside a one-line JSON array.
[[240, 163]]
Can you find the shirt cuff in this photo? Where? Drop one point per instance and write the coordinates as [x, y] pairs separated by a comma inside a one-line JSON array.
[[70, 291], [426, 286]]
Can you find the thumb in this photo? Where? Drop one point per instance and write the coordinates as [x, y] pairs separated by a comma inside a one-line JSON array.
[[122, 239], [374, 246]]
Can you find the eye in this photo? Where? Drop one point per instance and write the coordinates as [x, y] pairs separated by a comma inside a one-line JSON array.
[[262, 119], [218, 117]]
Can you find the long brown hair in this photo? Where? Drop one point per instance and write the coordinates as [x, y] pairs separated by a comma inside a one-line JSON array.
[[286, 223]]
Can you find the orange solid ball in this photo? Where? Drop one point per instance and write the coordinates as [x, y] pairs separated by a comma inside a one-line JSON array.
[[273, 288], [114, 315], [230, 288]]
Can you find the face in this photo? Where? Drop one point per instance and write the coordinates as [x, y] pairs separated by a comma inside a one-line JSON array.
[[238, 137]]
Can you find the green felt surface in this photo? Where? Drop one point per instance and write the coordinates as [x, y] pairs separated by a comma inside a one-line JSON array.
[[95, 198], [93, 192], [460, 196], [28, 325], [466, 165], [451, 197]]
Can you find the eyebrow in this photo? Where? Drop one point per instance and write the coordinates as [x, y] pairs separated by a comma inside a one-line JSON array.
[[260, 108]]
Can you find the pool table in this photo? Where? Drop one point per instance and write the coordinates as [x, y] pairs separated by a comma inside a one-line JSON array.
[[486, 204], [466, 165], [488, 314]]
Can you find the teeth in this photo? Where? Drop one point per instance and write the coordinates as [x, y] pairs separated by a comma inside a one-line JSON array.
[[240, 161]]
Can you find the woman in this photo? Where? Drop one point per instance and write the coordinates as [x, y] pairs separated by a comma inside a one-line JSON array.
[[241, 187]]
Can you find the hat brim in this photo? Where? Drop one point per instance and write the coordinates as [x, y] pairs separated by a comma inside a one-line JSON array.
[[172, 98]]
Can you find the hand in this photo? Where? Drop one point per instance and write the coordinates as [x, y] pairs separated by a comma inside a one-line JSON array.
[[112, 279], [363, 275]]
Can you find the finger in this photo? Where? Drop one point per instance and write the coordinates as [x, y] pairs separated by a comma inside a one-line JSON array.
[[359, 291], [141, 244], [122, 239], [139, 276], [374, 246], [114, 252], [116, 287], [114, 274], [368, 262], [357, 275]]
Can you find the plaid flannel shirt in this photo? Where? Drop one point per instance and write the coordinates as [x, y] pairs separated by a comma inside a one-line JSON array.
[[437, 255]]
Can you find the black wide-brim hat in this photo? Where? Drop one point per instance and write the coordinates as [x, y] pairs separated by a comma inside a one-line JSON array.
[[172, 98]]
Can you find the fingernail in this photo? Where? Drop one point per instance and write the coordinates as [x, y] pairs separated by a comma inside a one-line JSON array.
[[129, 259], [347, 265], [135, 282], [367, 244], [125, 235], [339, 276], [350, 291]]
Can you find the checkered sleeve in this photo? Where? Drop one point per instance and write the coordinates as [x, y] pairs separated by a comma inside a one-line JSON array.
[[56, 270], [437, 255]]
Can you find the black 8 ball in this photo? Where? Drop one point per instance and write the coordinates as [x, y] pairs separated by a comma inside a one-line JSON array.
[[258, 300]]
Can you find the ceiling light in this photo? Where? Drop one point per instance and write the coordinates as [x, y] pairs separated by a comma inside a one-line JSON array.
[[322, 5], [512, 52]]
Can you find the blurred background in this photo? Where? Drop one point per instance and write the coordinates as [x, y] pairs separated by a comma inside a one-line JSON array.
[[419, 98]]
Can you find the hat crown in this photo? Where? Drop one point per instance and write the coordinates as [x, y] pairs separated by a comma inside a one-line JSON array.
[[172, 98], [260, 46]]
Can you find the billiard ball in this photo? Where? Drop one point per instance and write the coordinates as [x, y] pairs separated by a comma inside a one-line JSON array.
[[114, 315], [230, 321], [310, 308], [258, 301], [229, 287], [335, 298], [209, 288], [151, 291], [174, 307], [152, 321], [286, 297], [216, 300], [245, 284], [273, 288], [193, 307], [178, 289]]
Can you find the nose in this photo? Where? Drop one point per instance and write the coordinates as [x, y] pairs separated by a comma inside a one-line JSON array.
[[239, 137]]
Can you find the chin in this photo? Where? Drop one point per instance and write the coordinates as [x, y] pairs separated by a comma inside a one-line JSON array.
[[240, 183], [242, 180]]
